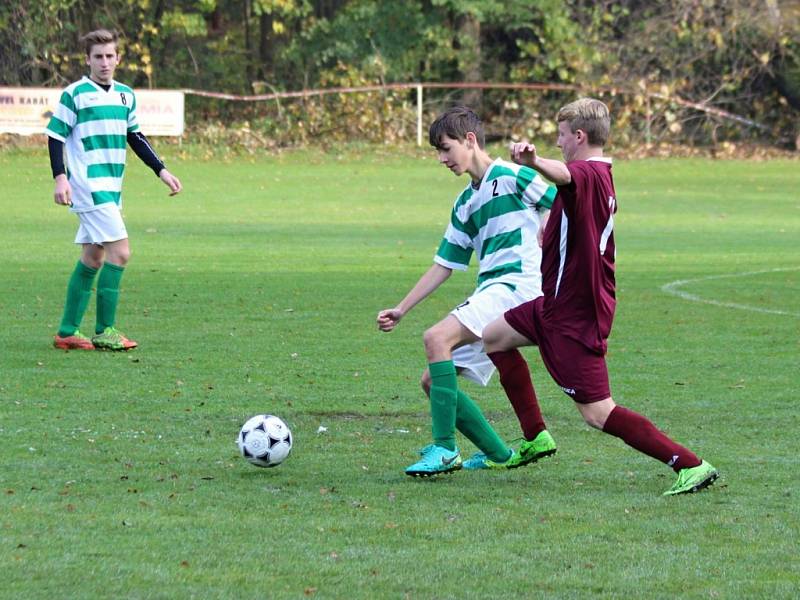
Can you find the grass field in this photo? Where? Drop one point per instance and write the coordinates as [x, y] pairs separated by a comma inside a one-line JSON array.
[[256, 290]]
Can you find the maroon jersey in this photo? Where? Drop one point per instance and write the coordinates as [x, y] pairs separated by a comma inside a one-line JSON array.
[[578, 255]]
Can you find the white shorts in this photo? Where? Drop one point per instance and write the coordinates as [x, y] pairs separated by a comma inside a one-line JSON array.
[[475, 313], [103, 224]]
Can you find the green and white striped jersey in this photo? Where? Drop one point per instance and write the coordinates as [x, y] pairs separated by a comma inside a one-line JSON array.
[[499, 221], [94, 124]]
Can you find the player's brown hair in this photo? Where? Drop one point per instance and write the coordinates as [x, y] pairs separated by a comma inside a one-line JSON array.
[[456, 123], [591, 116], [99, 37]]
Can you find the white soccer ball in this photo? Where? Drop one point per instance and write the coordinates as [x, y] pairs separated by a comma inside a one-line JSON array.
[[265, 441]]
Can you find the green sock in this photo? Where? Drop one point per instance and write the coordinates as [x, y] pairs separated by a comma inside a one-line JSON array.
[[107, 295], [444, 388], [79, 290], [471, 422]]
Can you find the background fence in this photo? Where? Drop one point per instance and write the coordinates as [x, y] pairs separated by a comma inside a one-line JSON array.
[[401, 112]]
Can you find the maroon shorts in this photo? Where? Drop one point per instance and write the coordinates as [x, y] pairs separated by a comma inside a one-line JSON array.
[[579, 372]]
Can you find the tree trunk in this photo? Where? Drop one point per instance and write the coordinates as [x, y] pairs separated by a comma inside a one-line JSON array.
[[326, 9], [214, 23], [248, 46], [468, 43], [266, 46], [158, 14]]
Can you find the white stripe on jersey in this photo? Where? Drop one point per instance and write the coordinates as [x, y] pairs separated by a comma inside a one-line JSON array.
[[112, 155], [107, 184], [609, 227], [90, 128], [562, 248]]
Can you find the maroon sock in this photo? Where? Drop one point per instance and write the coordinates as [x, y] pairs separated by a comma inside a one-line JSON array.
[[515, 377], [639, 433]]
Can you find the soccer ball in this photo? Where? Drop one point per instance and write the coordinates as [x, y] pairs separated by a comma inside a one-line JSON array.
[[265, 441]]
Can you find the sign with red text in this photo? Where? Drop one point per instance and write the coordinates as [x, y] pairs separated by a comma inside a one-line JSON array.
[[26, 111]]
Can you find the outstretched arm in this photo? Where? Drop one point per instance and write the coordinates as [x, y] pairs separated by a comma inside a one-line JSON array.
[[427, 284], [524, 153]]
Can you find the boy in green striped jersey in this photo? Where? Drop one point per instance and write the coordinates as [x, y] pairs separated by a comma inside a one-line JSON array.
[[96, 119], [499, 217]]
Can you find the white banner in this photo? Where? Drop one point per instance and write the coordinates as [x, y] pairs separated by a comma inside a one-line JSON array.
[[26, 111]]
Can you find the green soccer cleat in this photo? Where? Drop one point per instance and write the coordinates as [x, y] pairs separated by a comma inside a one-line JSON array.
[[479, 461], [111, 339], [693, 479], [531, 451], [435, 460]]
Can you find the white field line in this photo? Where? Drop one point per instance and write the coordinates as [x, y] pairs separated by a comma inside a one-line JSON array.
[[672, 288]]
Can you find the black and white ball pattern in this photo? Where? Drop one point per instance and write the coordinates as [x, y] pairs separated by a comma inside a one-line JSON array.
[[265, 441]]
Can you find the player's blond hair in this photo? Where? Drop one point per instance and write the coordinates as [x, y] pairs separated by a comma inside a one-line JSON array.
[[591, 116], [99, 37]]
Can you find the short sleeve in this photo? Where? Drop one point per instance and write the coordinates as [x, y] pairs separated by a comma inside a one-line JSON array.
[[534, 190], [63, 119], [133, 122]]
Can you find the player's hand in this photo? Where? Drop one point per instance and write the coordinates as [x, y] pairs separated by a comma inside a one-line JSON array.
[[172, 182], [523, 153], [63, 192], [388, 319]]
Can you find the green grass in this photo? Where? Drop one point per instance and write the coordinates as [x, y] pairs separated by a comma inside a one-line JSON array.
[[256, 290]]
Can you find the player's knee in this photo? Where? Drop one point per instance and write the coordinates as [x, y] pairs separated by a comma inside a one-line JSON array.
[[593, 421], [120, 257], [93, 262], [596, 413], [433, 341], [492, 338]]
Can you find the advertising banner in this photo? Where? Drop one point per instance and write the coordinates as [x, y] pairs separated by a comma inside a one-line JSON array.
[[26, 111]]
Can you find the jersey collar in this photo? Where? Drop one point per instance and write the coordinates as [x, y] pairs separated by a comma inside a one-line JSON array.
[[98, 86]]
